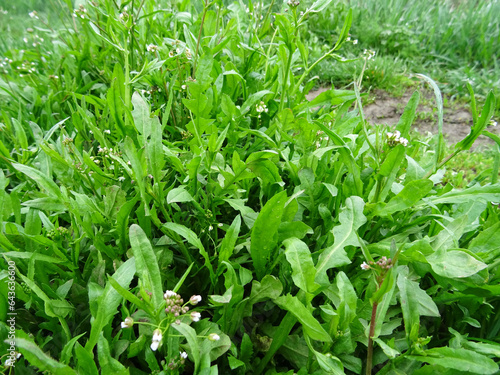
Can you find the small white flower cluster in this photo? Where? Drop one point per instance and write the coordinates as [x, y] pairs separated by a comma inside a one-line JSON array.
[[178, 50], [34, 14], [175, 306], [370, 54], [26, 68], [4, 11], [80, 12], [394, 139], [157, 336], [11, 360], [128, 322], [152, 48], [175, 363], [104, 150], [492, 123], [383, 263], [348, 39], [261, 107]]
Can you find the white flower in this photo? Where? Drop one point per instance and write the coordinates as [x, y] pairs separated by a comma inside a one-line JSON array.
[[355, 41], [183, 87], [129, 322], [34, 14], [107, 131], [220, 225], [152, 48], [195, 299], [121, 178], [261, 107], [210, 227], [157, 336], [214, 337], [169, 293], [195, 316], [9, 362], [154, 345], [183, 355], [365, 266]]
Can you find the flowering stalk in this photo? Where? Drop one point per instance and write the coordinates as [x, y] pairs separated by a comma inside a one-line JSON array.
[[205, 10], [369, 357], [381, 268]]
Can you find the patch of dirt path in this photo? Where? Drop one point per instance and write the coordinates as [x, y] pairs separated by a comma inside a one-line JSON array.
[[387, 109]]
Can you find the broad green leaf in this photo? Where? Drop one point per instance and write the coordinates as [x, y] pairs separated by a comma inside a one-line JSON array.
[[487, 243], [108, 364], [109, 301], [154, 148], [291, 229], [309, 323], [409, 305], [406, 198], [480, 124], [67, 351], [458, 359], [329, 363], [269, 288], [142, 117], [266, 170], [389, 352], [319, 5], [85, 361], [227, 244], [190, 334], [454, 263], [303, 272], [389, 169], [146, 263], [279, 338], [450, 234], [139, 174], [41, 179], [34, 256], [347, 157], [36, 357], [132, 298], [53, 308], [408, 115], [179, 195], [351, 218], [264, 234], [193, 239], [489, 193]]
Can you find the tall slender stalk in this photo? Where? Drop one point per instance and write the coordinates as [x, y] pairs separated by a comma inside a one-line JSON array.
[[205, 10], [369, 356]]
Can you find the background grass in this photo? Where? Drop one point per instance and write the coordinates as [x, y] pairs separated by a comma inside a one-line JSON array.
[[451, 41]]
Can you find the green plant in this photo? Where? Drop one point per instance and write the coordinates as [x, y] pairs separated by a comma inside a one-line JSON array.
[[167, 150]]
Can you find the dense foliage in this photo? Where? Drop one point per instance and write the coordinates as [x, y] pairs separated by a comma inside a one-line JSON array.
[[171, 203]]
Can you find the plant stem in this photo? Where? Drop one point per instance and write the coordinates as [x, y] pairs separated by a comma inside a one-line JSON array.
[[205, 10], [369, 356]]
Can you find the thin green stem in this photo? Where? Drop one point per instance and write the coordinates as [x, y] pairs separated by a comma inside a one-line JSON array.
[[369, 356]]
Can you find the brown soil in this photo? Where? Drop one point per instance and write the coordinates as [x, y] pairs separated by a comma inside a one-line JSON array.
[[387, 109]]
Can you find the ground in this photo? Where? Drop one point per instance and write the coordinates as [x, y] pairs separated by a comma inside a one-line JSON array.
[[383, 108]]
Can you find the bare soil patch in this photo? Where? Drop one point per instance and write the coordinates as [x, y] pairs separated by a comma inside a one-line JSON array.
[[386, 109]]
